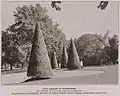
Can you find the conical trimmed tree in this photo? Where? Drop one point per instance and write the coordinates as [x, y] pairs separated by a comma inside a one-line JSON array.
[[64, 58], [81, 64], [73, 58], [54, 63], [39, 63]]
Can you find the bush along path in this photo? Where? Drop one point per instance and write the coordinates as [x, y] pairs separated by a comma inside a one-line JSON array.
[[39, 64], [64, 58], [73, 58], [54, 63]]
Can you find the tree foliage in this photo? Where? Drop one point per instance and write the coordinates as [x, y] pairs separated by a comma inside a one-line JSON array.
[[90, 48], [112, 50], [55, 4], [11, 53], [22, 30], [103, 5]]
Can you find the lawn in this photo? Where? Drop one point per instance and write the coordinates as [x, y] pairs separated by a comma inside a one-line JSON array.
[[87, 75]]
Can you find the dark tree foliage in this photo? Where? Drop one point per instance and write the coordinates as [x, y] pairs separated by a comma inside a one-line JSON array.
[[112, 50], [11, 53], [55, 4], [64, 58], [103, 5], [22, 30], [73, 58], [90, 48], [39, 63], [54, 63]]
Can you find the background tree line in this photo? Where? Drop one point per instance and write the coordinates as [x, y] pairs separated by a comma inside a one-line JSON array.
[[96, 49], [93, 49], [16, 40]]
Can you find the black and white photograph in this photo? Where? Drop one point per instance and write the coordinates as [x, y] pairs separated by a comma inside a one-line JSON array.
[[59, 43]]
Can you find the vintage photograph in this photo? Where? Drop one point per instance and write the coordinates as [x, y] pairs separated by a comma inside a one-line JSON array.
[[59, 43]]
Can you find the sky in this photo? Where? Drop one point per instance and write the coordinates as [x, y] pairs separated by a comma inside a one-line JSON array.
[[75, 18]]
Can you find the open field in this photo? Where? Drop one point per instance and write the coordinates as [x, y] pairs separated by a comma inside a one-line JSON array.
[[87, 75]]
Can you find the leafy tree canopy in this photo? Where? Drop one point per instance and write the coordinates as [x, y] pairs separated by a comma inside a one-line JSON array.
[[56, 5], [90, 48], [21, 32]]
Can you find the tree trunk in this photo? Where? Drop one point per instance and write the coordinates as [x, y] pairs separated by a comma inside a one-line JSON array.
[[5, 67], [22, 65], [2, 66], [11, 67]]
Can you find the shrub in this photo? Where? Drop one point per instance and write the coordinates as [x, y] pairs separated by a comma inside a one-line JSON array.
[[73, 58], [39, 63]]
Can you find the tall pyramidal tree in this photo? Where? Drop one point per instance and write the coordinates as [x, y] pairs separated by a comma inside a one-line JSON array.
[[54, 63], [39, 63], [64, 58], [73, 58]]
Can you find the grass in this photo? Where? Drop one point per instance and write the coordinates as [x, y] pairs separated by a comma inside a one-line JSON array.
[[19, 70], [110, 76], [14, 71], [86, 75]]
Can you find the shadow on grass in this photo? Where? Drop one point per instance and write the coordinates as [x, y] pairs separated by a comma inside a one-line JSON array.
[[13, 71], [82, 69], [58, 69], [34, 79]]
